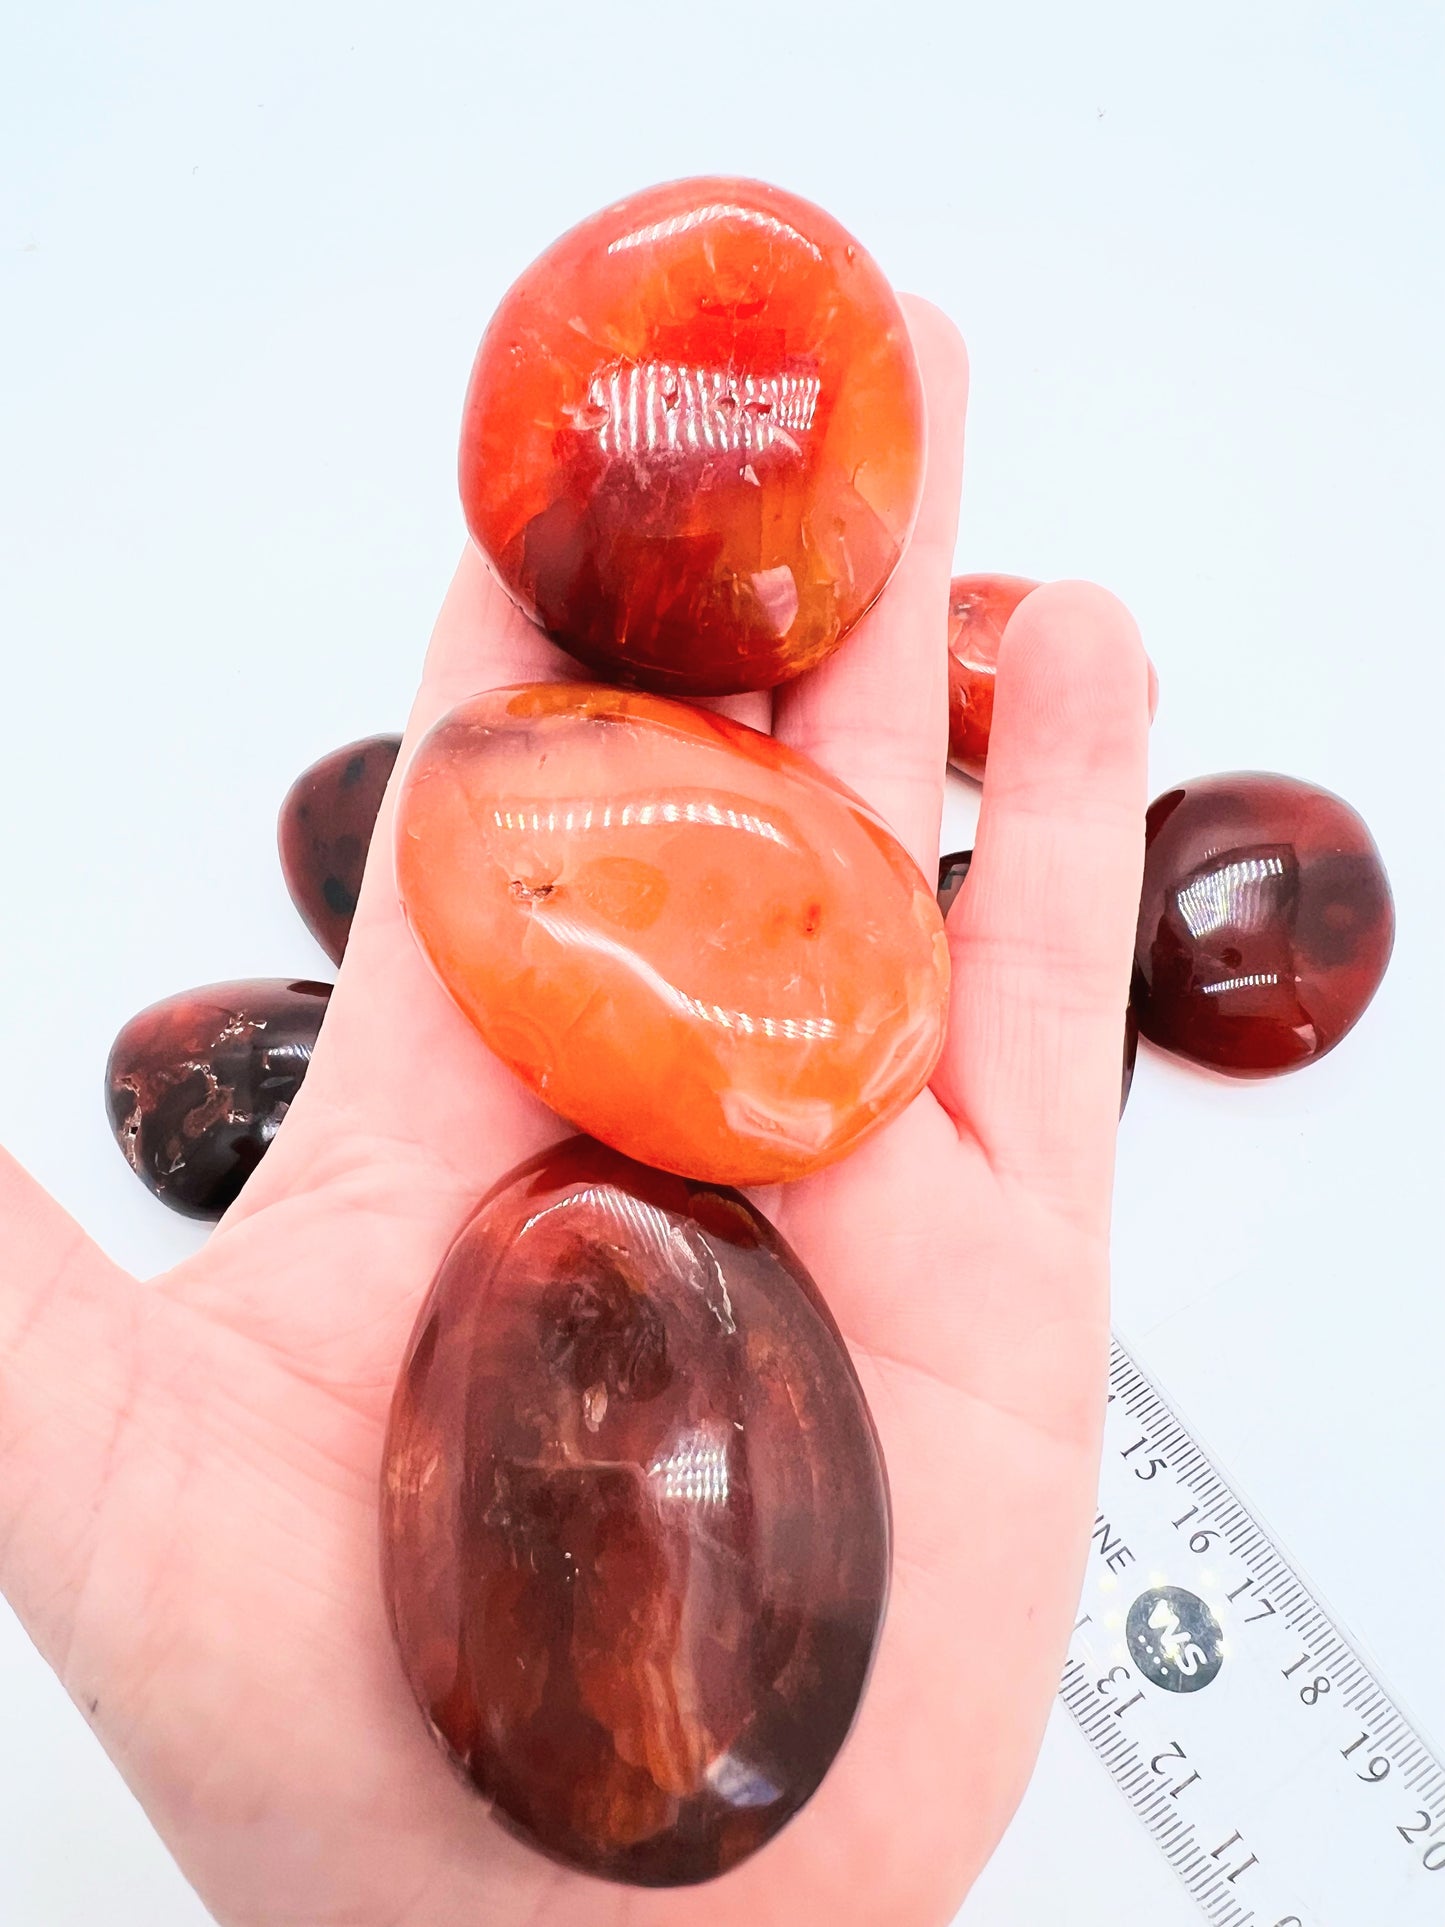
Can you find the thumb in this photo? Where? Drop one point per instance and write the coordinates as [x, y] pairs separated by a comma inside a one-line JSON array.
[[68, 1349]]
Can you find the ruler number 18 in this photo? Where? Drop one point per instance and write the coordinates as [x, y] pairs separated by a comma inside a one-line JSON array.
[[1316, 1688]]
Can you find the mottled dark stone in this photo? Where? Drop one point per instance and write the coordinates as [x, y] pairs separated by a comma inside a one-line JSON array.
[[635, 1521], [197, 1085], [952, 870], [1265, 923], [324, 832]]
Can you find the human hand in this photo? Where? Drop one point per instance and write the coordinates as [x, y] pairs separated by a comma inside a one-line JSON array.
[[189, 1468]]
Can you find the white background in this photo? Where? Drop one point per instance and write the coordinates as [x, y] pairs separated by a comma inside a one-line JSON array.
[[245, 255]]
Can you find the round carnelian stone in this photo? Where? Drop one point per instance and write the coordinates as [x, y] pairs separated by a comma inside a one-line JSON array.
[[684, 936], [693, 443], [1265, 923], [635, 1521], [979, 607]]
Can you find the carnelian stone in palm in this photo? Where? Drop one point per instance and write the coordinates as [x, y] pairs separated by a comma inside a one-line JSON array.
[[198, 1085], [687, 938], [693, 441], [979, 607], [1265, 923], [324, 833], [634, 1519]]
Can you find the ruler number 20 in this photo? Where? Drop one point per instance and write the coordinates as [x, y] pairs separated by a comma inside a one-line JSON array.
[[1433, 1858]]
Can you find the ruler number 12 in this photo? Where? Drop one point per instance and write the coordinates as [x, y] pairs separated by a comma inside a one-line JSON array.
[[1173, 1754]]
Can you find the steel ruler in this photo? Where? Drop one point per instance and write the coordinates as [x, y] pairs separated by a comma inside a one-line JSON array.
[[1275, 1773]]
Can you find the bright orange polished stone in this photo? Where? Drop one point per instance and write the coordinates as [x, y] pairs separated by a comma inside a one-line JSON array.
[[693, 442], [979, 607], [685, 937]]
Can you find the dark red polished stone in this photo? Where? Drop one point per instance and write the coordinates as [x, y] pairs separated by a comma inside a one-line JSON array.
[[324, 832], [1265, 923], [979, 607], [635, 1521], [693, 443], [952, 870], [197, 1085]]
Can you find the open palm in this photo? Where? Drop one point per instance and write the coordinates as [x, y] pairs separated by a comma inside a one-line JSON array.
[[189, 1468]]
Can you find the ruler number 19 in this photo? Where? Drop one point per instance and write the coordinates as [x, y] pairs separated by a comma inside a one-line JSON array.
[[1376, 1770]]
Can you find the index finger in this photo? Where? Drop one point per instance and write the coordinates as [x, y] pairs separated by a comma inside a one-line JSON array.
[[1042, 934]]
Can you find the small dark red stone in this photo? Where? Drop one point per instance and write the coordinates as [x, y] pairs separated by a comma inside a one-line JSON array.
[[1265, 923], [197, 1085], [324, 831], [952, 870], [635, 1522]]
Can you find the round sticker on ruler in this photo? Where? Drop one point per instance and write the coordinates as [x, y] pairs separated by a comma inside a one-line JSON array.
[[1174, 1639]]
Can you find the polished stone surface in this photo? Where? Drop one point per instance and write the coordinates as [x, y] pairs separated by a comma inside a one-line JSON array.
[[684, 936], [952, 869], [324, 831], [979, 607], [693, 442], [634, 1519], [1265, 923], [197, 1086]]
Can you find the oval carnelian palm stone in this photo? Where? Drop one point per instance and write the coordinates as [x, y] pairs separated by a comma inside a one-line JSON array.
[[979, 607], [1265, 923], [634, 1519], [687, 938], [694, 437]]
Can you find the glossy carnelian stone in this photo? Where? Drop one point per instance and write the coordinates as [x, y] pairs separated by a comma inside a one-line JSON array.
[[634, 1519], [324, 832], [1265, 923], [686, 937], [198, 1085], [953, 869], [979, 607], [693, 442]]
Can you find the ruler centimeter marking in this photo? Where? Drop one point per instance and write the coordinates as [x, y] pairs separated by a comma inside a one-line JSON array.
[[1275, 1773]]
